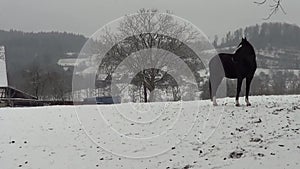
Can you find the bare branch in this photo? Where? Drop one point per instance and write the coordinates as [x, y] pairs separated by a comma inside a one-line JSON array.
[[260, 3], [274, 8]]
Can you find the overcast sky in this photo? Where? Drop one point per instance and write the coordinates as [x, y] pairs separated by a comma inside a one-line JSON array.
[[86, 16]]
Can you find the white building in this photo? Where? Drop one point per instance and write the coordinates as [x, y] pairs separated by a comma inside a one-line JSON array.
[[3, 73], [8, 93]]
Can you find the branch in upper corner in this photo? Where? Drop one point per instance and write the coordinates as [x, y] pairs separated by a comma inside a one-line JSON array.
[[260, 3], [273, 7]]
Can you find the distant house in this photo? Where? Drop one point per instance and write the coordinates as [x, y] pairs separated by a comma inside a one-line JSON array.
[[10, 95], [68, 63]]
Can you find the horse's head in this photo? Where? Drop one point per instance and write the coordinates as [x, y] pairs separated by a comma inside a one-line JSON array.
[[245, 49], [243, 42]]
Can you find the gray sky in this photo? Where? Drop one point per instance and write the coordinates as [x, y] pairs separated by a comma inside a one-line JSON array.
[[86, 16]]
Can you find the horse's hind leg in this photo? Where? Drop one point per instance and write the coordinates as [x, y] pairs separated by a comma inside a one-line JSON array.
[[215, 83], [216, 72], [248, 83], [238, 90]]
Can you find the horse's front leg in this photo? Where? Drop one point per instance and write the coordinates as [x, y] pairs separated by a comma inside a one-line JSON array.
[[248, 83], [238, 90]]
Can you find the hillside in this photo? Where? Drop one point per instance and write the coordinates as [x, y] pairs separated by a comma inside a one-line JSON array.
[[277, 44], [32, 59], [26, 51], [265, 135]]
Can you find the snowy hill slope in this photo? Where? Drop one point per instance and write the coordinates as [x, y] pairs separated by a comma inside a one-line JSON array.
[[265, 135]]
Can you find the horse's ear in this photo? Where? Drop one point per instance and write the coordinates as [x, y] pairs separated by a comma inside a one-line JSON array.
[[245, 38]]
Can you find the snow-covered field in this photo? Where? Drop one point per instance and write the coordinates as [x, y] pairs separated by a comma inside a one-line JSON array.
[[155, 135]]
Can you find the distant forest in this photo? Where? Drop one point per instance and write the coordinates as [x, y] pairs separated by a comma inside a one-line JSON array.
[[277, 48], [266, 35], [32, 59]]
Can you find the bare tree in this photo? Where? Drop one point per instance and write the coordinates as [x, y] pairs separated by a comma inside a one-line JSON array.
[[36, 80], [274, 7], [57, 85], [147, 30]]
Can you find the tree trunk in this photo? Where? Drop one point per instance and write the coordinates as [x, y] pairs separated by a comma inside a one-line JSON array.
[[145, 87], [151, 96], [145, 92]]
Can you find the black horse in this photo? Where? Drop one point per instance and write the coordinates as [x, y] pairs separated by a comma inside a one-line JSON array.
[[240, 65]]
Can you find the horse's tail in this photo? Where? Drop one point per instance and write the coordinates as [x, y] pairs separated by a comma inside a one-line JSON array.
[[209, 84]]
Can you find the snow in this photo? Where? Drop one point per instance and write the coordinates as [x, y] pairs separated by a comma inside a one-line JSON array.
[[268, 71], [71, 53], [274, 53], [265, 135]]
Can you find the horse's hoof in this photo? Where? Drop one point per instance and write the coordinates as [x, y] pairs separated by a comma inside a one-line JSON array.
[[248, 104], [237, 105], [215, 104]]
